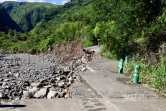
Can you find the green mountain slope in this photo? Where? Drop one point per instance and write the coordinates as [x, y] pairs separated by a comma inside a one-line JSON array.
[[6, 21], [27, 15], [54, 17]]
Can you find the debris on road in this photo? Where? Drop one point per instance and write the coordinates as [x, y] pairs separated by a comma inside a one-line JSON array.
[[47, 76]]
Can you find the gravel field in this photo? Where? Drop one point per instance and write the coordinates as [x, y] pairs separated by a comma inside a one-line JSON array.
[[33, 76]]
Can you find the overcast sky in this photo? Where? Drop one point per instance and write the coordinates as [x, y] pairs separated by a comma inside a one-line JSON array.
[[59, 2]]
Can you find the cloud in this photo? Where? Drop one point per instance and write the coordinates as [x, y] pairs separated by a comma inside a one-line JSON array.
[[54, 3], [64, 1]]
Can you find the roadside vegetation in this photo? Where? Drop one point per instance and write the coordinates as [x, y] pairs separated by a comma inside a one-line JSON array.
[[151, 75], [125, 28]]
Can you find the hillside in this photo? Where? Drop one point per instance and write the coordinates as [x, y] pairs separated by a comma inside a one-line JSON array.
[[44, 15], [57, 16], [27, 15], [6, 21]]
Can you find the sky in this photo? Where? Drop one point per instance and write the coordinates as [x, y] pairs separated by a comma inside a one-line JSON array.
[[58, 2]]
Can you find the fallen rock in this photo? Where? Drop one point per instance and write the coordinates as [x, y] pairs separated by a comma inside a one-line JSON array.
[[17, 75], [33, 90], [0, 95], [26, 94], [38, 84], [58, 78], [83, 69], [61, 84], [67, 69], [51, 94], [22, 75], [41, 93]]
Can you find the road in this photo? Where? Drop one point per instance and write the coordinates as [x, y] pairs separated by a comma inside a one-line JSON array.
[[95, 48], [118, 91]]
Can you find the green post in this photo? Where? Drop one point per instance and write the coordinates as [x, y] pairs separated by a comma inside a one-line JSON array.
[[133, 57], [136, 74], [126, 59], [120, 67]]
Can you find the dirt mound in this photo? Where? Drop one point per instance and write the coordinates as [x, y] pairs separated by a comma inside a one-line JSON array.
[[68, 51]]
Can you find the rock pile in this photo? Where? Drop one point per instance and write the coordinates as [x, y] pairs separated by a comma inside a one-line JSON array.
[[32, 76]]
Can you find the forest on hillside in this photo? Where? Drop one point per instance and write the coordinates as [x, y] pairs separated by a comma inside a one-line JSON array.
[[134, 28], [125, 27]]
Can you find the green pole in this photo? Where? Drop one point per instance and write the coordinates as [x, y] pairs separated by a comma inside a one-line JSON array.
[[126, 59], [136, 74], [133, 57], [120, 67]]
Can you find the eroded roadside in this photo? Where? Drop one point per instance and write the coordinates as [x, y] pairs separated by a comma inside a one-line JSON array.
[[49, 75]]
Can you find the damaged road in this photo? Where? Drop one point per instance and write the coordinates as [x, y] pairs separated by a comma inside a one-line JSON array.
[[46, 76]]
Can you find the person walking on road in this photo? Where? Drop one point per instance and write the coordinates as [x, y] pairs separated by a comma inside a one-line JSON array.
[[98, 42]]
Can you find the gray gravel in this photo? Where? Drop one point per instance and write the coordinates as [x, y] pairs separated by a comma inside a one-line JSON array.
[[81, 91], [18, 71], [33, 76]]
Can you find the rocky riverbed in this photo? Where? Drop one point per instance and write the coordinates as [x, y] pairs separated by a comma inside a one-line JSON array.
[[33, 76]]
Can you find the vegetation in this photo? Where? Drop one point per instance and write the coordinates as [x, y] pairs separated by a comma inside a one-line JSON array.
[[6, 21], [27, 15], [125, 27], [151, 75]]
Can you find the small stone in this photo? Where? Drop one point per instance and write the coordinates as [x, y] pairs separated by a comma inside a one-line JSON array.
[[0, 95], [58, 78], [26, 94], [70, 79], [66, 69], [83, 69], [7, 75], [17, 75], [51, 94], [33, 90], [6, 80], [17, 99], [61, 84], [38, 84]]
